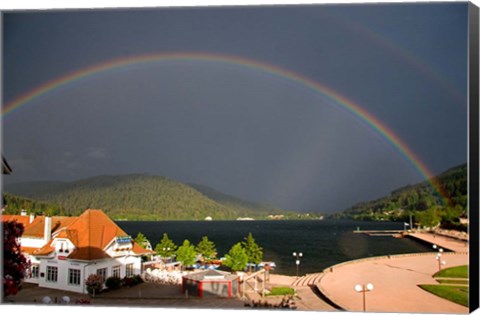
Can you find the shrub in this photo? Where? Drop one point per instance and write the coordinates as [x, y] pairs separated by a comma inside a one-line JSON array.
[[137, 279], [113, 283], [94, 283], [131, 281]]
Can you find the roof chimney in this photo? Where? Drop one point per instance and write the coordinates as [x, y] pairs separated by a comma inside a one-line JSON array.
[[32, 217], [23, 212], [47, 233]]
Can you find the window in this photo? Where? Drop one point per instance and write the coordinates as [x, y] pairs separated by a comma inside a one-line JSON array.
[[102, 272], [52, 274], [74, 276], [34, 270], [129, 270], [116, 271]]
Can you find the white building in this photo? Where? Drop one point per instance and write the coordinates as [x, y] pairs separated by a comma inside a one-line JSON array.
[[64, 251]]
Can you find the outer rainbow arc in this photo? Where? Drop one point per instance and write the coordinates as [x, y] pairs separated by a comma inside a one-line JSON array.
[[338, 99]]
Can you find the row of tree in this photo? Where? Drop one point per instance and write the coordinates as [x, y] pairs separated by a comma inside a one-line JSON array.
[[239, 256]]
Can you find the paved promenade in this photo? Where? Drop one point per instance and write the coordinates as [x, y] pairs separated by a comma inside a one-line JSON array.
[[395, 281]]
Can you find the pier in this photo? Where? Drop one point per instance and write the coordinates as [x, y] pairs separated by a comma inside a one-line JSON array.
[[394, 233], [445, 242], [429, 238]]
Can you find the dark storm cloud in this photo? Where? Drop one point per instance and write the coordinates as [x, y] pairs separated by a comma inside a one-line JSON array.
[[237, 129]]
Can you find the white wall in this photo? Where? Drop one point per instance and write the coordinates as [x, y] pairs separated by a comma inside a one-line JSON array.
[[62, 280], [86, 269]]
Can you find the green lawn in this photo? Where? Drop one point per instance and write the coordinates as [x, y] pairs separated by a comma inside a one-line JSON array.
[[281, 291], [455, 294], [459, 281], [454, 272]]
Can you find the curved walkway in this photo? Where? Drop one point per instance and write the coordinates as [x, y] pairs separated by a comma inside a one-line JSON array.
[[395, 281]]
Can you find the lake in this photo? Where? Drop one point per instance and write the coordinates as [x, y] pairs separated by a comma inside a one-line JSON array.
[[322, 242]]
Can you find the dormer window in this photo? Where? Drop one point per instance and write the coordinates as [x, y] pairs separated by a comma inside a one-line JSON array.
[[62, 247]]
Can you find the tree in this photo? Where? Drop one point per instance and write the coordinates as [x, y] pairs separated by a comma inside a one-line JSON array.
[[207, 249], [252, 249], [15, 265], [166, 247], [142, 240], [186, 253], [236, 258], [429, 218]]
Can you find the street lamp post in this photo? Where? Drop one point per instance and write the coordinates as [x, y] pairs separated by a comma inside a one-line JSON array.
[[438, 257], [364, 288], [165, 250], [441, 262], [297, 259]]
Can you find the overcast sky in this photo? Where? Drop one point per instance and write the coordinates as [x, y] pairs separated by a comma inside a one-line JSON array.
[[238, 129]]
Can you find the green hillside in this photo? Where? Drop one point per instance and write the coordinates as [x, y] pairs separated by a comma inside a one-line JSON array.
[[420, 201], [16, 203], [134, 197]]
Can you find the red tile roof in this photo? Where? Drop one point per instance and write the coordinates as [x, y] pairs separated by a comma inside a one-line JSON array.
[[29, 250], [45, 250], [25, 220], [36, 228], [91, 232]]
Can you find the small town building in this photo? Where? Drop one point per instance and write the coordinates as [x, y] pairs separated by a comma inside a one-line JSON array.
[[210, 283], [64, 251]]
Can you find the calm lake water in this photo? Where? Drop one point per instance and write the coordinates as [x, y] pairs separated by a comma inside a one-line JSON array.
[[323, 243]]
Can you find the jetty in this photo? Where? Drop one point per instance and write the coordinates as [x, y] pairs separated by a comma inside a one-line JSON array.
[[447, 242], [394, 233]]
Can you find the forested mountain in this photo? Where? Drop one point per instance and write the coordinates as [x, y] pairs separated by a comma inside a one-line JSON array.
[[420, 201], [134, 197]]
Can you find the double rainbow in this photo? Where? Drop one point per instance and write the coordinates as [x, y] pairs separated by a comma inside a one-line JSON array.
[[353, 108]]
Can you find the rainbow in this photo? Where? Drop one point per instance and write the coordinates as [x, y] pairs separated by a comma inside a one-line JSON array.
[[344, 103]]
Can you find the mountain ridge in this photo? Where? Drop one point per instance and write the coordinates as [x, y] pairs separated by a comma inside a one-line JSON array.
[[140, 196]]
